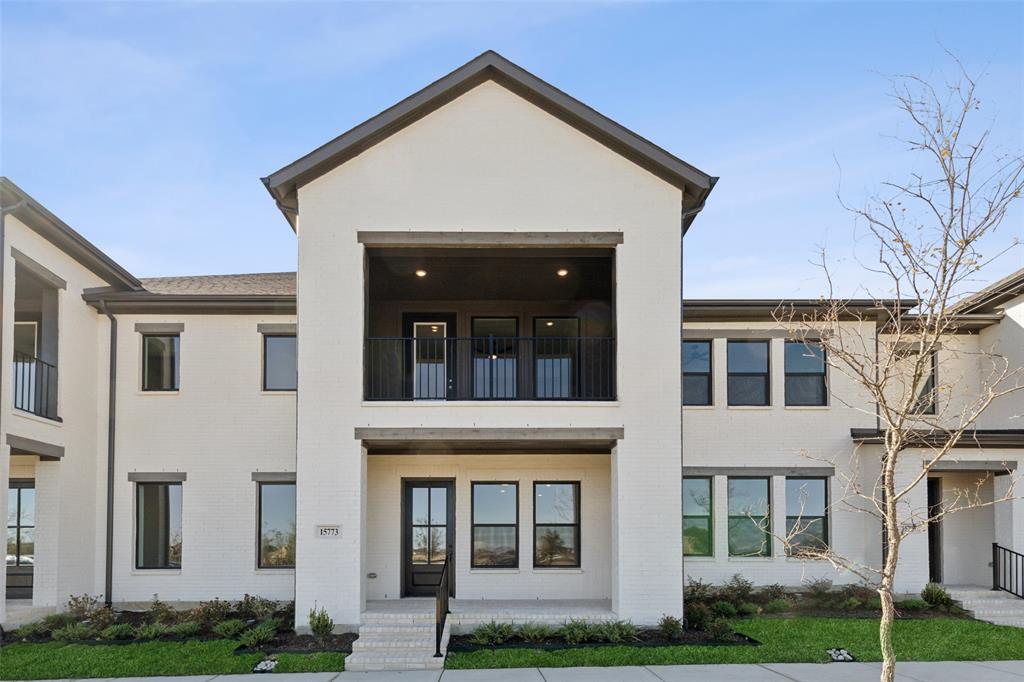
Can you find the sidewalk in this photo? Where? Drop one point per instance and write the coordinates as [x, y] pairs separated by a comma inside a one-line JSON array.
[[982, 671]]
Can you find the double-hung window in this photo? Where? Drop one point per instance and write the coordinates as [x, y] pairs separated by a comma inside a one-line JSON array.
[[158, 525], [277, 525], [556, 524], [495, 525], [748, 373], [698, 537], [806, 514], [805, 374], [160, 353], [696, 372], [279, 368], [749, 520]]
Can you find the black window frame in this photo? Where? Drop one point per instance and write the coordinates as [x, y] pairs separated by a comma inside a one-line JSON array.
[[710, 516], [177, 362], [473, 525], [768, 543], [263, 383], [259, 525], [16, 486], [577, 487], [823, 374], [826, 527], [709, 375], [168, 566], [929, 396], [767, 374]]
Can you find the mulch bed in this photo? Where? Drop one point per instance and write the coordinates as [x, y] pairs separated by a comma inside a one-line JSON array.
[[647, 638]]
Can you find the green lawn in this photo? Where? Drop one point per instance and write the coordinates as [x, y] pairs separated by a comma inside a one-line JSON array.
[[55, 660], [796, 640]]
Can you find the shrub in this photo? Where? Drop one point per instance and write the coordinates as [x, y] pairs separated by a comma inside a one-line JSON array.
[[577, 631], [493, 633], [81, 607], [229, 629], [55, 621], [320, 624], [770, 593], [936, 595], [698, 591], [819, 590], [150, 631], [264, 633], [850, 604], [73, 632], [533, 632], [250, 606], [778, 606], [102, 618], [209, 613], [120, 631], [719, 630], [697, 617], [861, 592], [671, 628], [748, 609], [186, 629], [736, 590], [160, 612], [616, 632], [875, 603], [723, 609], [912, 605], [31, 631]]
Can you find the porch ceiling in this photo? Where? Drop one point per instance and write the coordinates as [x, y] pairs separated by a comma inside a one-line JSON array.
[[437, 441]]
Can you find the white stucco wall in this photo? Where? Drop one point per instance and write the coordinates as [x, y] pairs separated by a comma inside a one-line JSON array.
[[1007, 340]]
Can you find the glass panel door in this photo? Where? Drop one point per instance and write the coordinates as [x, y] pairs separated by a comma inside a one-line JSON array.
[[495, 363], [556, 350], [430, 377], [429, 522]]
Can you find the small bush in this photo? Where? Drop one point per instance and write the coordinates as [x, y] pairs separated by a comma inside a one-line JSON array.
[[697, 617], [264, 633], [778, 606], [210, 613], [81, 607], [936, 595], [186, 629], [73, 632], [912, 605], [748, 609], [320, 624], [671, 628], [160, 612], [861, 592], [250, 606], [819, 590], [719, 630], [697, 590], [150, 631], [534, 633], [119, 631], [770, 593], [31, 631], [55, 621], [616, 632], [101, 618], [875, 603], [493, 633], [736, 590], [229, 629], [851, 604], [723, 609], [577, 631]]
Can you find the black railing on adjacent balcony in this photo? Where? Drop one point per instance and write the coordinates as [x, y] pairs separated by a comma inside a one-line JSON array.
[[441, 607], [1007, 570], [35, 386], [489, 368]]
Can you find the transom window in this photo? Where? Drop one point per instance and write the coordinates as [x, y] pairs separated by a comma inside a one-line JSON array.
[[805, 374], [160, 362], [556, 524], [749, 520], [698, 536], [158, 525], [495, 525], [749, 382], [806, 514], [277, 525], [696, 372], [279, 364]]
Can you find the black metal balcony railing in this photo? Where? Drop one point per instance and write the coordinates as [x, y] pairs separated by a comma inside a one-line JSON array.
[[35, 386], [1007, 570], [489, 368]]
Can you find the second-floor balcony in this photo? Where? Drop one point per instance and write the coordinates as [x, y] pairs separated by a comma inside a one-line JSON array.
[[35, 386]]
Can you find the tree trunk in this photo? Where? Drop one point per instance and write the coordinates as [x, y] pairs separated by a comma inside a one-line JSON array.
[[885, 634]]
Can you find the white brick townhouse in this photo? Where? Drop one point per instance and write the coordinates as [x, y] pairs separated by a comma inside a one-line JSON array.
[[477, 360]]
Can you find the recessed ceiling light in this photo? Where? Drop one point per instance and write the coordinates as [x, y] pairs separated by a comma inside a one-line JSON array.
[[562, 272], [550, 324], [421, 273], [433, 327]]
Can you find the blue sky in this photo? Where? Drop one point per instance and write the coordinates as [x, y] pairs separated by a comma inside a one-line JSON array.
[[146, 126]]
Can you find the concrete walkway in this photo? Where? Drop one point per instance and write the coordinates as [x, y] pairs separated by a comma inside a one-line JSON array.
[[984, 671]]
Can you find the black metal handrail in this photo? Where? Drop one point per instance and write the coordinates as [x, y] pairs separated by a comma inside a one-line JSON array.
[[489, 368], [1007, 570], [35, 386], [441, 609]]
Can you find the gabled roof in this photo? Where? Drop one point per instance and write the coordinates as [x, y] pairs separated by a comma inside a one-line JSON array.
[[991, 297], [57, 232], [284, 183]]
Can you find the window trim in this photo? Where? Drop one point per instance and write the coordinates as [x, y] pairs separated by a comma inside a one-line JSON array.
[[263, 363], [767, 374], [768, 515], [826, 526], [177, 362], [710, 516], [824, 374], [518, 359], [135, 521], [259, 525], [473, 525], [710, 374], [578, 525]]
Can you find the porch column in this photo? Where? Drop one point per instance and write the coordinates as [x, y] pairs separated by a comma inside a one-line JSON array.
[[45, 588], [1009, 515], [912, 565], [5, 473]]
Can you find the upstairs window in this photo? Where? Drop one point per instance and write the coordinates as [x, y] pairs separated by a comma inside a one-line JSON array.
[[926, 396], [696, 372], [279, 368], [805, 374], [495, 525], [158, 525], [160, 362], [697, 524], [556, 525], [749, 382]]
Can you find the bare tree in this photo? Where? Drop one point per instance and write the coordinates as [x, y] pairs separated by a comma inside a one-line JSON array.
[[927, 236]]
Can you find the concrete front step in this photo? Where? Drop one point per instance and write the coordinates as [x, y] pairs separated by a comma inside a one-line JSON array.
[[398, 642], [397, 629], [999, 608], [368, 661]]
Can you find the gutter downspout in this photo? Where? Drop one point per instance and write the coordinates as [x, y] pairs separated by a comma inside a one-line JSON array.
[[108, 585]]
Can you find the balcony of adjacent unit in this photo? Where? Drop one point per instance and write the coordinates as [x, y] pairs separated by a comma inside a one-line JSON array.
[[34, 362], [490, 324]]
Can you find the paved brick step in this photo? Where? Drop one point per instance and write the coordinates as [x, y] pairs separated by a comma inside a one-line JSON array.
[[364, 661]]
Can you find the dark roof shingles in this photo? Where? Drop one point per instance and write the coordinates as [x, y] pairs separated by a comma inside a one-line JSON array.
[[252, 284]]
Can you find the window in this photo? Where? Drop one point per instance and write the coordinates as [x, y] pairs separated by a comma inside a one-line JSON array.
[[279, 370], [806, 514], [495, 525], [697, 528], [805, 374], [495, 364], [277, 525], [696, 372], [748, 373], [158, 525], [556, 349], [556, 524], [160, 362], [926, 397], [21, 523], [749, 525]]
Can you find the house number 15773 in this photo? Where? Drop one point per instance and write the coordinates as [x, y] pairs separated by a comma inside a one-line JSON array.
[[328, 531]]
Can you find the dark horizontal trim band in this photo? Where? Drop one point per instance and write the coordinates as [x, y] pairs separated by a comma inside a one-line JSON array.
[[144, 302], [976, 438], [984, 465], [497, 434], [273, 476], [27, 446], [157, 476], [40, 271], [412, 239], [282, 328], [159, 327], [815, 472]]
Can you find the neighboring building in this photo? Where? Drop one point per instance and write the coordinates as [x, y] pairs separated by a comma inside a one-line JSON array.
[[489, 369]]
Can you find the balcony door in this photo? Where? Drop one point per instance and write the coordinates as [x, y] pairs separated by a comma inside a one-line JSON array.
[[428, 534], [430, 355], [556, 357]]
